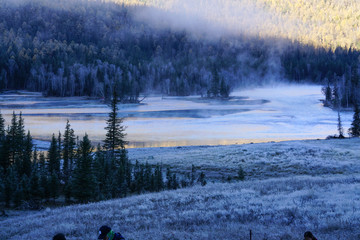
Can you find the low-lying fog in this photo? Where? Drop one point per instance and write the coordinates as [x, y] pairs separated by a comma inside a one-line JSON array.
[[256, 115]]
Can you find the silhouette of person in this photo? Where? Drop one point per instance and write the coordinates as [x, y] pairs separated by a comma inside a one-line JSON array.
[[309, 236], [59, 236]]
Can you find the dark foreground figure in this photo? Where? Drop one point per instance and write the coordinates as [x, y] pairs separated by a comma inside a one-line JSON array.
[[59, 236], [309, 236], [107, 234]]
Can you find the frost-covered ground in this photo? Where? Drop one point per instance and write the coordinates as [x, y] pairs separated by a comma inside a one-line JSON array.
[[260, 160], [290, 187]]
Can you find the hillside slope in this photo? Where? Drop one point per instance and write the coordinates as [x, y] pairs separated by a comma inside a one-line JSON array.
[[273, 207], [326, 23]]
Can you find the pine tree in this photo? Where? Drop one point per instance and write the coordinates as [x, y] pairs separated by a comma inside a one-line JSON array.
[[138, 183], [100, 175], [169, 183], [5, 153], [354, 131], [35, 184], [147, 177], [115, 130], [3, 149], [339, 126], [45, 185], [159, 182], [224, 89], [11, 179], [214, 90], [12, 139], [2, 184], [53, 157], [202, 179], [20, 131], [84, 179], [25, 186], [27, 154], [241, 174], [68, 150], [2, 128], [54, 185]]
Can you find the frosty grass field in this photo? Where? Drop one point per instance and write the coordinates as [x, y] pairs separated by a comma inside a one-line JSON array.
[[290, 187]]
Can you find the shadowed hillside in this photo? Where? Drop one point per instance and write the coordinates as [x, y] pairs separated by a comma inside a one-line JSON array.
[[273, 208]]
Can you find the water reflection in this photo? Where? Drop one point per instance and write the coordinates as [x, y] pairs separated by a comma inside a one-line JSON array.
[[257, 115]]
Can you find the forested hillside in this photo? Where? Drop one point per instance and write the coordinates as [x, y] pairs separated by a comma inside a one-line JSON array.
[[79, 48], [323, 23]]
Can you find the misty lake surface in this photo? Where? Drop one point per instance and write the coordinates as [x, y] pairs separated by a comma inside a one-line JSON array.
[[254, 115]]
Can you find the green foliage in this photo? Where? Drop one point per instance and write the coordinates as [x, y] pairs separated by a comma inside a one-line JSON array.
[[83, 185], [33, 178], [354, 131], [68, 150], [53, 157], [339, 126], [115, 130], [241, 173]]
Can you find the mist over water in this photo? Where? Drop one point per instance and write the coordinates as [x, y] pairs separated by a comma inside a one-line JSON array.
[[255, 115]]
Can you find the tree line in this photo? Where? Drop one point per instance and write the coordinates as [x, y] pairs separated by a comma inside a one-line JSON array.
[[73, 170], [86, 48]]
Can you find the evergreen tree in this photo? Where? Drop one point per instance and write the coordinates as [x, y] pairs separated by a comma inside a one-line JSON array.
[[12, 140], [53, 157], [2, 184], [354, 131], [18, 195], [54, 185], [68, 151], [2, 128], [115, 130], [25, 187], [11, 179], [202, 179], [339, 126], [224, 89], [138, 184], [100, 174], [35, 184], [168, 179], [84, 179], [35, 155], [26, 161], [159, 182], [5, 153], [241, 174], [20, 131], [214, 90], [45, 185], [148, 177]]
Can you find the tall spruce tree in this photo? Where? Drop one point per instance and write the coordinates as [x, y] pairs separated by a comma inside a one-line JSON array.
[[12, 139], [2, 128], [84, 182], [339, 126], [53, 157], [68, 150], [115, 130], [27, 155], [354, 131]]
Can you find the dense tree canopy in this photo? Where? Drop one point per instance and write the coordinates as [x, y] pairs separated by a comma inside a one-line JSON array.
[[73, 48]]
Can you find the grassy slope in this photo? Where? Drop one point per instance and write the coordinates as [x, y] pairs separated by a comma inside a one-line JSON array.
[[292, 187]]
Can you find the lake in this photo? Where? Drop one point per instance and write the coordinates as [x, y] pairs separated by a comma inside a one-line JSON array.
[[277, 113]]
